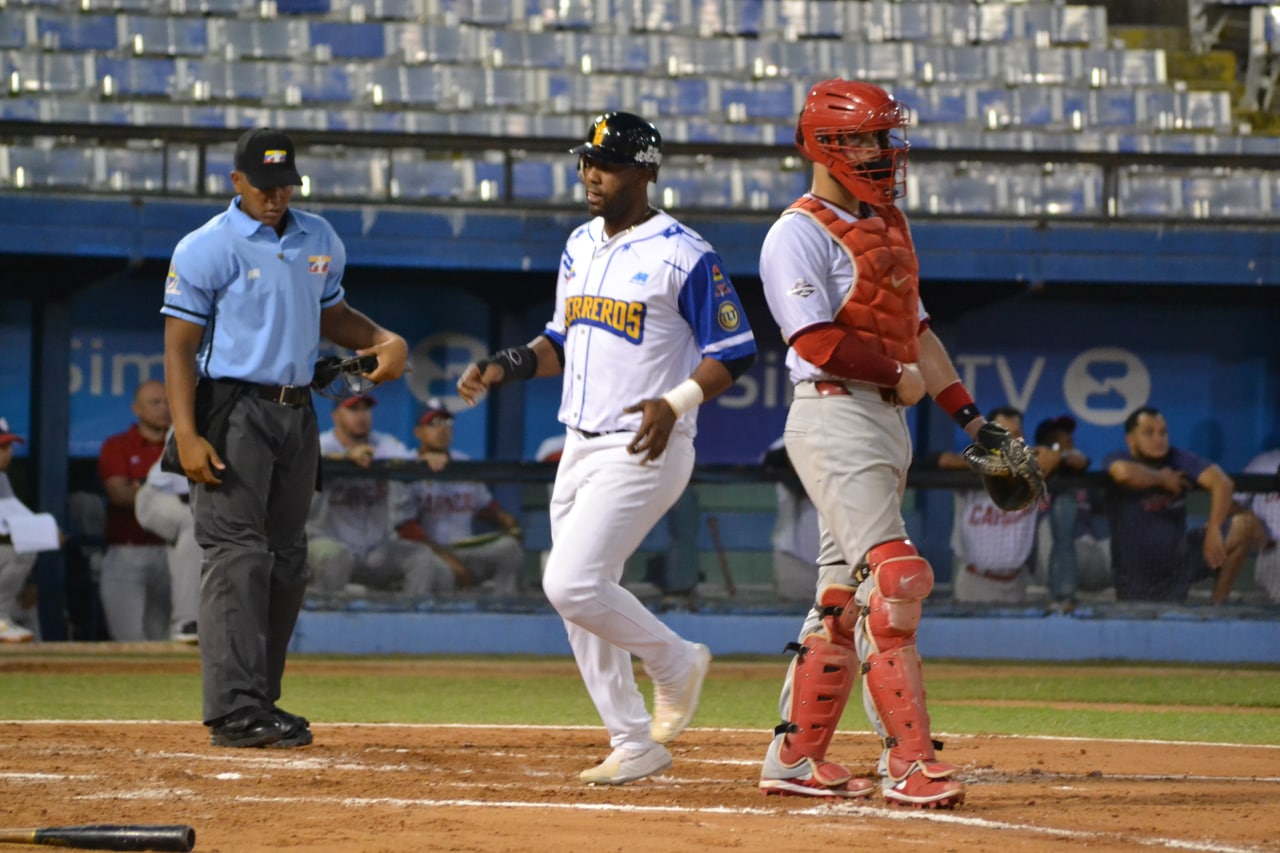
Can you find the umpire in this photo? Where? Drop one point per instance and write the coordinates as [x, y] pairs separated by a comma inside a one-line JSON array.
[[248, 295]]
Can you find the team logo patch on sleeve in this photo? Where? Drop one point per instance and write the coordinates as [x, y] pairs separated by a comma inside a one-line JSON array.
[[273, 156], [318, 264], [171, 280], [728, 316]]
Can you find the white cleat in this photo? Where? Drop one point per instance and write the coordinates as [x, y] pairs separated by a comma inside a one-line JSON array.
[[623, 766], [673, 707], [11, 632]]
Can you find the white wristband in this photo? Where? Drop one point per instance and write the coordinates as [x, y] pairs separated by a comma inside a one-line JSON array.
[[684, 397]]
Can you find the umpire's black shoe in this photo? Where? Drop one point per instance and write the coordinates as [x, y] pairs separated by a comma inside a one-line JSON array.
[[295, 730], [249, 730]]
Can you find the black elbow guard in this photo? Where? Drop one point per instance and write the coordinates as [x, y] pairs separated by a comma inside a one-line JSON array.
[[559, 350], [739, 366]]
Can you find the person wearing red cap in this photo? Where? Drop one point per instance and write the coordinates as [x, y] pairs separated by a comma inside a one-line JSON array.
[[15, 567], [351, 537], [441, 513]]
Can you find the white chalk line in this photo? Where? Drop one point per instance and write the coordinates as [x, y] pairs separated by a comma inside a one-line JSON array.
[[826, 811], [767, 733]]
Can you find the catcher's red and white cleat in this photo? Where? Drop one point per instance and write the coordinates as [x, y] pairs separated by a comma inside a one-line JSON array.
[[809, 777], [924, 792]]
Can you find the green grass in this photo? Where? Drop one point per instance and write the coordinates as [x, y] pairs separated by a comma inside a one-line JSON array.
[[1166, 702]]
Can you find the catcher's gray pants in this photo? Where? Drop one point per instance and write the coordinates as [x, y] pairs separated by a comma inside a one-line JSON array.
[[253, 530], [14, 568], [134, 587], [169, 517]]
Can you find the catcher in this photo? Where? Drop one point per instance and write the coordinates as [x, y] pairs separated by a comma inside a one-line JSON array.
[[841, 278]]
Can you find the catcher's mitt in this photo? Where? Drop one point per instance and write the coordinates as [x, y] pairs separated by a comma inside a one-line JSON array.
[[338, 378], [1010, 473]]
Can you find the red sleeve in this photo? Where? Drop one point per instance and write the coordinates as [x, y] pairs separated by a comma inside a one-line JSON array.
[[112, 460], [841, 354]]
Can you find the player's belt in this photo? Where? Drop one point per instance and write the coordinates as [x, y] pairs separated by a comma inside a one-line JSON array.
[[828, 388], [285, 395], [1007, 575], [586, 434]]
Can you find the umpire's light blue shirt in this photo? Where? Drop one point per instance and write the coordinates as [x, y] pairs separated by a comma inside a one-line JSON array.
[[258, 295]]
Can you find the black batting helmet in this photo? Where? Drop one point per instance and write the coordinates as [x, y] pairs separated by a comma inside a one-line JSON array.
[[624, 139]]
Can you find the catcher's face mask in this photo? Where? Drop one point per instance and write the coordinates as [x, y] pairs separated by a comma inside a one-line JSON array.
[[858, 133]]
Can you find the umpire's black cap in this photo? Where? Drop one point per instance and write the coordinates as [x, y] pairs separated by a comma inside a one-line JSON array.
[[624, 139], [265, 156]]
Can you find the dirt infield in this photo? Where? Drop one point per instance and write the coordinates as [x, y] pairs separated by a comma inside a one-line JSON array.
[[510, 788], [414, 788]]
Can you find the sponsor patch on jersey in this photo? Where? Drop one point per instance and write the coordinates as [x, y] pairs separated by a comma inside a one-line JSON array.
[[620, 317], [171, 280], [273, 156], [802, 289], [640, 278], [728, 316], [318, 264]]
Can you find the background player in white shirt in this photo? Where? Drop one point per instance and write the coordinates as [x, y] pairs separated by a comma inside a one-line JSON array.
[[351, 536], [991, 546], [1266, 506], [841, 278], [646, 327], [162, 506], [441, 513]]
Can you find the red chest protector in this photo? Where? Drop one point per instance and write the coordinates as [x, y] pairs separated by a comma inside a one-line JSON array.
[[882, 307]]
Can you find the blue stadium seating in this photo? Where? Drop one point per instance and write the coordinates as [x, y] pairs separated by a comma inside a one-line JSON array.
[[151, 77], [350, 41], [13, 29], [76, 32], [148, 35]]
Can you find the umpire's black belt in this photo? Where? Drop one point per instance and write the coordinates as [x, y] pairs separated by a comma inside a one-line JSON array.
[[285, 395]]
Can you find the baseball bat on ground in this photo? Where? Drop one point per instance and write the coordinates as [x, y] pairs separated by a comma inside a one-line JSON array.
[[714, 525], [105, 836]]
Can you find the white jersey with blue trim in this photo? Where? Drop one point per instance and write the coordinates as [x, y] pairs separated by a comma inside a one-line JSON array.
[[807, 277], [259, 295], [636, 313]]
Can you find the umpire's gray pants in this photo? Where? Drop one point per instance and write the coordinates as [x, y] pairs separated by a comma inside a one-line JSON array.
[[252, 528]]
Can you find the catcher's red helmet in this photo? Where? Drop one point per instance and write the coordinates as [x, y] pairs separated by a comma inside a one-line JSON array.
[[836, 109]]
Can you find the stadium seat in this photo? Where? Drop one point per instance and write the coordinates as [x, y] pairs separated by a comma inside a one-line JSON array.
[[691, 56], [1237, 194], [625, 54], [1149, 193], [153, 35], [342, 175], [376, 10], [76, 32], [13, 29], [813, 20], [414, 85], [512, 49], [66, 168], [583, 15], [992, 22], [131, 169], [417, 43], [349, 41], [48, 73], [234, 39], [803, 60], [302, 7], [212, 8], [485, 13], [151, 77], [306, 83], [216, 80], [766, 99]]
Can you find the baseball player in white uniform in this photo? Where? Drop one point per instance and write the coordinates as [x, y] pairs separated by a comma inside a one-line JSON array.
[[992, 546], [840, 275], [441, 513], [1266, 506], [646, 327], [162, 507], [351, 535]]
